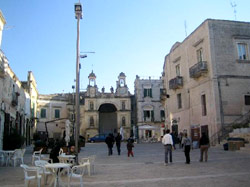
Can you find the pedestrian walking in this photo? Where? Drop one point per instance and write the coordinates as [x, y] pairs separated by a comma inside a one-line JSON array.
[[110, 142], [204, 145], [180, 139], [130, 146], [118, 140], [174, 138], [167, 141], [187, 147]]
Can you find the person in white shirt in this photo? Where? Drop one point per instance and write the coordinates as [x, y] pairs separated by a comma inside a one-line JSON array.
[[167, 141]]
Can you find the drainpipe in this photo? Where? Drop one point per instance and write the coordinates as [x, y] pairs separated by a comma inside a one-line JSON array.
[[221, 107]]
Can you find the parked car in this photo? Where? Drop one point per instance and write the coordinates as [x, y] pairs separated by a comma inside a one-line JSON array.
[[98, 138]]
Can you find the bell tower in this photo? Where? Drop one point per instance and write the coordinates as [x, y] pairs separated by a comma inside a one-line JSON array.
[[92, 88], [121, 86]]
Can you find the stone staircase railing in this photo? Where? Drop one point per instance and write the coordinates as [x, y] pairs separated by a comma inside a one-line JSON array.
[[223, 133]]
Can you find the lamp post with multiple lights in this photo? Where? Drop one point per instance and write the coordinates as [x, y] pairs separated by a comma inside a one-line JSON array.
[[78, 16]]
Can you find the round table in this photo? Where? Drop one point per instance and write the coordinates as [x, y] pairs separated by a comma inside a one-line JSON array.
[[57, 169]]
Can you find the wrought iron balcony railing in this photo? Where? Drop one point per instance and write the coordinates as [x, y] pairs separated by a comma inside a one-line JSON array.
[[176, 83], [198, 69]]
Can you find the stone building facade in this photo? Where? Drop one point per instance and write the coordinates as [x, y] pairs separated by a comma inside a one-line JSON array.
[[106, 112], [18, 100], [206, 78], [100, 112], [150, 113], [53, 111]]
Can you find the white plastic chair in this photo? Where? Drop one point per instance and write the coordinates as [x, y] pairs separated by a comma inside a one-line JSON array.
[[43, 157], [78, 172], [66, 160], [86, 162], [92, 163], [18, 155], [36, 155], [41, 164], [28, 177]]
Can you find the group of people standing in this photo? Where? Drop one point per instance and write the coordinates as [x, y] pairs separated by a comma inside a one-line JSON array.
[[167, 140], [186, 144], [111, 139]]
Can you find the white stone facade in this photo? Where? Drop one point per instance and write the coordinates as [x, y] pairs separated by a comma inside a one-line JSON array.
[[207, 77], [150, 113]]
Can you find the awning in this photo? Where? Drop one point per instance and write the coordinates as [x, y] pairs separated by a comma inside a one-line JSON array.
[[147, 127]]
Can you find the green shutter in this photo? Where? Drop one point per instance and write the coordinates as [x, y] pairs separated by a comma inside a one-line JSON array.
[[145, 114], [145, 92], [43, 113], [57, 113], [150, 92], [152, 115]]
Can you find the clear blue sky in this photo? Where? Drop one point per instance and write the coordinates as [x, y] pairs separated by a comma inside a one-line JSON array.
[[130, 36]]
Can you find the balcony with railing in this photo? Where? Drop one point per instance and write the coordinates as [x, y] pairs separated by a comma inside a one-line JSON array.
[[176, 83], [198, 69]]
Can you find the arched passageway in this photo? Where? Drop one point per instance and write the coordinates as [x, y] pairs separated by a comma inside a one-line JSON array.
[[107, 118]]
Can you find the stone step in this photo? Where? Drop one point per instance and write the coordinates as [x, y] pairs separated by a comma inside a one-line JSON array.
[[246, 148]]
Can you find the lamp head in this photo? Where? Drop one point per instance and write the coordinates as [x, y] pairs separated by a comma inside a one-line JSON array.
[[83, 56]]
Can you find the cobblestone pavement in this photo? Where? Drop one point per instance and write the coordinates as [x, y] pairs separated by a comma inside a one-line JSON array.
[[147, 169]]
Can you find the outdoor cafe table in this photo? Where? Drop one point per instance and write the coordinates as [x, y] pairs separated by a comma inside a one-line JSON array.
[[7, 154], [57, 169], [66, 158]]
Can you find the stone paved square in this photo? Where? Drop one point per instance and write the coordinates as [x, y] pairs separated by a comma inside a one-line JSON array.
[[223, 169]]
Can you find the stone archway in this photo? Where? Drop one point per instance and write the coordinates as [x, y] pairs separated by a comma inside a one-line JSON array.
[[107, 118]]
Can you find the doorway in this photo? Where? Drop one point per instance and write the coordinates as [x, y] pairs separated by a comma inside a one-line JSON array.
[[107, 119]]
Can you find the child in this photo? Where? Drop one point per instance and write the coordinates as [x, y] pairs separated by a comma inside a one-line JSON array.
[[130, 146]]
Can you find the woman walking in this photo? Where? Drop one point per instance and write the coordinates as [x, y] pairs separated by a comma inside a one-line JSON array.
[[204, 145]]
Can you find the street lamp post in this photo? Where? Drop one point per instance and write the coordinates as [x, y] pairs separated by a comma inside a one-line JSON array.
[[73, 117], [78, 16]]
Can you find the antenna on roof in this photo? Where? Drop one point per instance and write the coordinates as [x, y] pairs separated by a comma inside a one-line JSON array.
[[185, 25], [233, 5]]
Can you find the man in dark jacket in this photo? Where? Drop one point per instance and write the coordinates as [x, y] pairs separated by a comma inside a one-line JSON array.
[[110, 142], [118, 140]]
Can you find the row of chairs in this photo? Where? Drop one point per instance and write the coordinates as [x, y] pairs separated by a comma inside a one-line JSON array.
[[39, 170]]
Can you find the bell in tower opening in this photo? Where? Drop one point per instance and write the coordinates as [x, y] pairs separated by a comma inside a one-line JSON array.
[[92, 78]]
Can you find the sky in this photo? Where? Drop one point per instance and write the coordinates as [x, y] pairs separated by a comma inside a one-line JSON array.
[[130, 36]]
